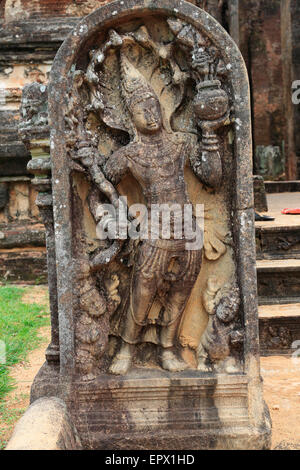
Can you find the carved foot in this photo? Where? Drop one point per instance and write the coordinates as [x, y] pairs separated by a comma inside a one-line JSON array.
[[88, 377], [204, 367], [122, 361], [120, 365], [204, 363], [232, 369], [171, 362]]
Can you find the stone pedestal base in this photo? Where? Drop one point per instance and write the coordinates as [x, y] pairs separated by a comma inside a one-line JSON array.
[[152, 409]]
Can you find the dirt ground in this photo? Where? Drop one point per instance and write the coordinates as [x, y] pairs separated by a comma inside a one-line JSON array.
[[36, 295], [24, 372], [281, 376], [281, 385]]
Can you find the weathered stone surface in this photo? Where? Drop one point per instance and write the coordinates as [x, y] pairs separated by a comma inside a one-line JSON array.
[[282, 186], [261, 45], [12, 262], [260, 198], [19, 236], [4, 198], [20, 208], [278, 281], [188, 76], [22, 236], [269, 161], [188, 410], [113, 404], [279, 329], [295, 74], [281, 242], [13, 154], [19, 219], [34, 132], [46, 425]]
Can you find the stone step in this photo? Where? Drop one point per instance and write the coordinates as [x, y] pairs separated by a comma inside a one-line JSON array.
[[279, 328], [21, 235], [278, 281], [278, 242], [280, 238], [20, 265], [282, 186]]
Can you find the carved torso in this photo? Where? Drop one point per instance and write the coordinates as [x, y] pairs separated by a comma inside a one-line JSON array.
[[159, 169]]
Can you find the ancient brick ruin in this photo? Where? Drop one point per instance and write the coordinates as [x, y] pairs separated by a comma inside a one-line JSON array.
[[31, 33]]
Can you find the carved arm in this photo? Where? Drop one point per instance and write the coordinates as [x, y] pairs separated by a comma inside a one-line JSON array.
[[116, 167]]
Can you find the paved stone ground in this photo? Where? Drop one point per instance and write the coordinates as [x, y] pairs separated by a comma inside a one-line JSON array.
[[277, 202]]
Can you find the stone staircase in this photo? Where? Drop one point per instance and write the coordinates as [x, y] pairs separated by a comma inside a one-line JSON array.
[[278, 274]]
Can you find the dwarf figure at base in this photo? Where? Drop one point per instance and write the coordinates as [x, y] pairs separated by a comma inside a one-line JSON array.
[[222, 305]]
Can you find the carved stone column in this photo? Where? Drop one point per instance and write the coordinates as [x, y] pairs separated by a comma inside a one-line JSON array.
[[34, 131]]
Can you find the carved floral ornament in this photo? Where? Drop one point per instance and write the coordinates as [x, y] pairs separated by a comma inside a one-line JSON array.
[[148, 110]]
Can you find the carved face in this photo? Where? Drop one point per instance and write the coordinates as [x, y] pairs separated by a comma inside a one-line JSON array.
[[146, 115], [228, 306]]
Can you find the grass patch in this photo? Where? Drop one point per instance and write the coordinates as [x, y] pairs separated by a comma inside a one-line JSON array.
[[8, 417], [19, 325]]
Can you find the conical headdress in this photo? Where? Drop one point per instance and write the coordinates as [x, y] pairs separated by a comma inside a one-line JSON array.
[[135, 87]]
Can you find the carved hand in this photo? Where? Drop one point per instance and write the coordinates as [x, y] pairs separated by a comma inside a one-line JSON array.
[[209, 126], [208, 168]]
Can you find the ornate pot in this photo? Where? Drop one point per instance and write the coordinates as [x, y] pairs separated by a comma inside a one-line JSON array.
[[211, 102]]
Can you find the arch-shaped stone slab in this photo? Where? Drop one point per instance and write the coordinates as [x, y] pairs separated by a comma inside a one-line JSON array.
[[195, 70]]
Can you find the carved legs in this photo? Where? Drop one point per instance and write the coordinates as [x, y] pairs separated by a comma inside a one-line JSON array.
[[204, 364], [169, 359], [142, 296], [147, 284]]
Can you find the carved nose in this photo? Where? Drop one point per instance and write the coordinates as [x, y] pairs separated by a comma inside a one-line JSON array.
[[151, 117]]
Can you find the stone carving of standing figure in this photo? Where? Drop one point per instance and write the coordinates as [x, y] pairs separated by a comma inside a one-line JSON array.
[[163, 268]]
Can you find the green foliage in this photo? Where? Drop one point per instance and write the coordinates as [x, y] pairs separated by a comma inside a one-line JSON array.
[[19, 325]]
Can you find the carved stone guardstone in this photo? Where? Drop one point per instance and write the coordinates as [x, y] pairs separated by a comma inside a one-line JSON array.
[[158, 335]]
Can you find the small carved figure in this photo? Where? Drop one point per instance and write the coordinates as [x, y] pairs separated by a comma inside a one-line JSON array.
[[276, 337], [91, 337], [34, 110], [222, 305]]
